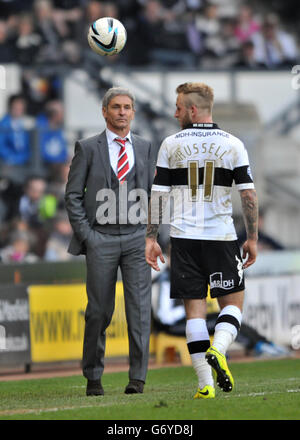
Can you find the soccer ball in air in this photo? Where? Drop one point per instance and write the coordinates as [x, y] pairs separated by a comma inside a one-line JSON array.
[[107, 36]]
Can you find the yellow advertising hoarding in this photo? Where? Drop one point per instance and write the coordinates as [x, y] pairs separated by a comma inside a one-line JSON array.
[[57, 323]]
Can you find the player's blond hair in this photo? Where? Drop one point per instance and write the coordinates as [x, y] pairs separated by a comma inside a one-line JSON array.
[[198, 94]]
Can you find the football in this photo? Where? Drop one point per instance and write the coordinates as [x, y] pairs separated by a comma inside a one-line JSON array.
[[107, 36]]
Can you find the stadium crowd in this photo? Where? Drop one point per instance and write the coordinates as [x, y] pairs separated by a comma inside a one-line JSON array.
[[171, 33], [194, 33]]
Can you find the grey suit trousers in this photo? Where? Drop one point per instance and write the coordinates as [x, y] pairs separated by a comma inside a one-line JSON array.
[[105, 254]]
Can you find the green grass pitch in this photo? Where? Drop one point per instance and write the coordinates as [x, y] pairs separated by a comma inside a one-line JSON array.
[[264, 390]]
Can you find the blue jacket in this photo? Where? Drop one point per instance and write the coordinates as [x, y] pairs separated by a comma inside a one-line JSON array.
[[14, 142], [53, 144]]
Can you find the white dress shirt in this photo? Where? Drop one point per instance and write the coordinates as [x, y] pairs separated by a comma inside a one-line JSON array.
[[114, 149]]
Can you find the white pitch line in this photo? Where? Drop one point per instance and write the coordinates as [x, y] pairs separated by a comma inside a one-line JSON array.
[[55, 409], [263, 393]]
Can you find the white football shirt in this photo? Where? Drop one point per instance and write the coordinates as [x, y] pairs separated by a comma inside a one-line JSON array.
[[198, 166]]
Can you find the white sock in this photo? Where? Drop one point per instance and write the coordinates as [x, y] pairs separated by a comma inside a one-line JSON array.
[[227, 327], [198, 342]]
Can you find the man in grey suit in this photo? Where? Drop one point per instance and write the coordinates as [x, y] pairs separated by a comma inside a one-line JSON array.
[[107, 169]]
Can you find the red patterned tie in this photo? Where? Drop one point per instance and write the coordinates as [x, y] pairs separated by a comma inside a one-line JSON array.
[[123, 163]]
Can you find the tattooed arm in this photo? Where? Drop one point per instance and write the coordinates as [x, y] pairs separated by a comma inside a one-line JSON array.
[[250, 214], [155, 215]]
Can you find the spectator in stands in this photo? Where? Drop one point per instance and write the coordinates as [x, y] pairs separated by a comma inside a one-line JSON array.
[[111, 10], [18, 250], [149, 29], [14, 139], [30, 202], [229, 45], [51, 50], [160, 42], [36, 208], [246, 57], [94, 10], [28, 42], [246, 25], [204, 33], [174, 39], [10, 193], [7, 53], [39, 88], [57, 245], [11, 8], [68, 15], [53, 144], [274, 47], [58, 181]]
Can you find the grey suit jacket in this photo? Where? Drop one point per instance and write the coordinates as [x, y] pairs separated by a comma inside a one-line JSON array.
[[90, 171]]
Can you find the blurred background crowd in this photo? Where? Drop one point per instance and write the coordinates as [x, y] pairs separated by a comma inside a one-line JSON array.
[[183, 34], [197, 33]]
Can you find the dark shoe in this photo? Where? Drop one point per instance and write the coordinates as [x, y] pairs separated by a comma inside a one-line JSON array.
[[134, 387], [94, 388]]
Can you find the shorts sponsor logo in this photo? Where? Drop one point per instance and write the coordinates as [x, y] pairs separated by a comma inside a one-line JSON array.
[[216, 282]]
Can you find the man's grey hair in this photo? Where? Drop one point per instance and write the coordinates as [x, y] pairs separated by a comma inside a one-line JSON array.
[[116, 91]]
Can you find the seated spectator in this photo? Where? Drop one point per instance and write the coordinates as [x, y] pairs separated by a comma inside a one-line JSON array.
[[246, 25], [28, 42], [209, 27], [10, 193], [158, 41], [58, 181], [14, 139], [204, 33], [229, 45], [39, 88], [57, 244], [9, 8], [18, 250], [246, 57], [36, 208], [51, 49], [94, 10], [30, 202], [7, 52], [67, 15], [273, 46], [149, 28], [53, 144]]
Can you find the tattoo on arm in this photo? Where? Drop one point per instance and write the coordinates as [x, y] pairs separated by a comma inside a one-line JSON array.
[[156, 211], [250, 212]]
